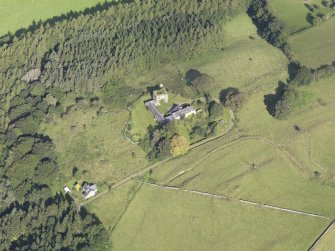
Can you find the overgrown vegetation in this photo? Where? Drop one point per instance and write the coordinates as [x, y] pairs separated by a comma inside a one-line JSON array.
[[173, 137], [269, 26], [32, 215], [85, 57]]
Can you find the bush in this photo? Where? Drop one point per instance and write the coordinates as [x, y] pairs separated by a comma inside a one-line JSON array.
[[270, 27], [179, 145], [216, 110], [316, 20], [286, 103], [303, 77], [232, 98], [197, 134]]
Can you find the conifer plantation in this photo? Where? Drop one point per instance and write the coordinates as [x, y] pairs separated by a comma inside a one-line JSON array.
[[79, 54]]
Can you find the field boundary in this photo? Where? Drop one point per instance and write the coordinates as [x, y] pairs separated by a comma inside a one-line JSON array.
[[155, 165], [125, 209], [321, 236], [241, 201], [213, 151]]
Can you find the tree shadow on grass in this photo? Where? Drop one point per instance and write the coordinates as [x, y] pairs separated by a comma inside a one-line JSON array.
[[8, 38], [293, 69], [270, 100], [191, 75]]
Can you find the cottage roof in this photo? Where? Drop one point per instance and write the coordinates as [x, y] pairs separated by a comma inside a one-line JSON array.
[[184, 111]]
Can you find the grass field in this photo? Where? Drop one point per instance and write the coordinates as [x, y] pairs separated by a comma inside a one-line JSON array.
[[262, 159], [294, 12], [17, 14], [246, 62], [167, 220], [327, 242], [95, 144], [111, 208], [315, 46], [251, 169]]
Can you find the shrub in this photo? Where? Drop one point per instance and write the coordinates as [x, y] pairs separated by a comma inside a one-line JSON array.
[[286, 103], [179, 145], [232, 98], [303, 77], [197, 134], [216, 110]]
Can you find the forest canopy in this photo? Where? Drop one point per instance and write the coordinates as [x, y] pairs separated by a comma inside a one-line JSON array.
[[80, 54]]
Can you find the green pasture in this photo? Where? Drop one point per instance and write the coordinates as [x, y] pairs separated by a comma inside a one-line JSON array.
[[327, 242], [95, 144], [251, 169], [110, 208], [17, 14], [322, 146], [315, 46], [158, 219], [246, 61], [262, 159], [294, 12]]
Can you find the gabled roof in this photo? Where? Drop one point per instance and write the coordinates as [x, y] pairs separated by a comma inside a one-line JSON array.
[[184, 111]]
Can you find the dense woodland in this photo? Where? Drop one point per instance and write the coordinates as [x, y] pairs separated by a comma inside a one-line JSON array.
[[82, 54]]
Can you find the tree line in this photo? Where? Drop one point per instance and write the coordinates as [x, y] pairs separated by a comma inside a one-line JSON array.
[[81, 55], [273, 29], [33, 216]]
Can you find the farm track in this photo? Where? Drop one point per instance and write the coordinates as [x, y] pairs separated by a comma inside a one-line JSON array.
[[240, 201], [126, 208], [153, 166], [293, 160], [208, 154], [284, 150], [213, 151]]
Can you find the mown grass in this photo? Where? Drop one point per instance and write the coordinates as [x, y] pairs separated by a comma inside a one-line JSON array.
[[16, 14], [167, 220], [95, 144], [141, 118], [315, 46]]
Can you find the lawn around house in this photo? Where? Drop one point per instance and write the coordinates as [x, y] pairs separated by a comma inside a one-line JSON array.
[[141, 118]]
